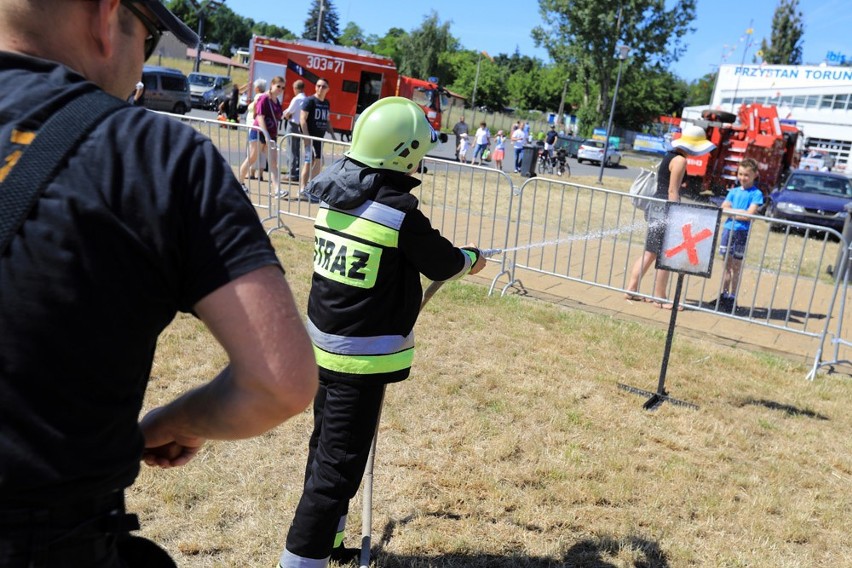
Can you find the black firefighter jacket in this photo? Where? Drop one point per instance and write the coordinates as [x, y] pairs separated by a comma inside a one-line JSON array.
[[372, 244]]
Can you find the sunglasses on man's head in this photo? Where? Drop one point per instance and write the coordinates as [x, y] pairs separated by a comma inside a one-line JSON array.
[[154, 32]]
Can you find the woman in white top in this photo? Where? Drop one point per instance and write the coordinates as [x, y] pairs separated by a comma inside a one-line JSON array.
[[482, 139]]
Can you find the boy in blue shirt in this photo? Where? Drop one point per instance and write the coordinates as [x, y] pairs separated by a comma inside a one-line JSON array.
[[744, 199]]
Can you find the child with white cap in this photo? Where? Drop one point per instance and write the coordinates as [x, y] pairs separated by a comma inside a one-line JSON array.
[[464, 146]]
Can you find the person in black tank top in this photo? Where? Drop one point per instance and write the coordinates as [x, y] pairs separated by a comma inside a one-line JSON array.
[[670, 173]]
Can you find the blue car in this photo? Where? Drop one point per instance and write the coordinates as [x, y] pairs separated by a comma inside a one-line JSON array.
[[813, 197]]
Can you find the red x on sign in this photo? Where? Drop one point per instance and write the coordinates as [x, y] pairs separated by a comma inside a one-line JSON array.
[[689, 242]]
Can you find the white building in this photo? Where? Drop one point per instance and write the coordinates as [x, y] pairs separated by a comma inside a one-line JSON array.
[[818, 98]]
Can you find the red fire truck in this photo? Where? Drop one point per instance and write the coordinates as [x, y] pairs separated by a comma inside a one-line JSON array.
[[758, 133], [357, 78]]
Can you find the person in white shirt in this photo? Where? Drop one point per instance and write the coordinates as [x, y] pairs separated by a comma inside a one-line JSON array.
[[482, 139], [463, 147], [518, 140], [294, 127]]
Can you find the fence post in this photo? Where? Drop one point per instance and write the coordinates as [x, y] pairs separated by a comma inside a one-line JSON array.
[[842, 272]]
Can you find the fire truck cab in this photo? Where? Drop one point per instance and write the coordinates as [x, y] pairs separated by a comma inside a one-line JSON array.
[[356, 78]]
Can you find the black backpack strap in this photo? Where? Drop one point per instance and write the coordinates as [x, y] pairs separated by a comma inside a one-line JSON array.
[[41, 160]]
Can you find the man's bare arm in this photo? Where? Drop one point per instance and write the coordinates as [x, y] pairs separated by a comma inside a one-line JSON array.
[[272, 373]]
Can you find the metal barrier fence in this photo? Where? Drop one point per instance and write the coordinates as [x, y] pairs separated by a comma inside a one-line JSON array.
[[594, 236], [590, 235], [275, 196], [468, 204], [834, 330]]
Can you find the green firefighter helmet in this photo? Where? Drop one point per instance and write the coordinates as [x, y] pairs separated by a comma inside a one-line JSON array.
[[392, 134]]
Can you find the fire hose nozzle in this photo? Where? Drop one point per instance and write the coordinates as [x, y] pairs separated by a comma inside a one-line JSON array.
[[488, 253]]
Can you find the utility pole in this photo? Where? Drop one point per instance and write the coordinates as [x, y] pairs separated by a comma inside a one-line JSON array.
[[623, 51], [202, 9], [476, 80], [319, 20], [559, 113]]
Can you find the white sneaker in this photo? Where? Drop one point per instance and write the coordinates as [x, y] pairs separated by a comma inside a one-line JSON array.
[[281, 194]]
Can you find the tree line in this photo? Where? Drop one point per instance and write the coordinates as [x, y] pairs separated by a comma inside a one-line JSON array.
[[582, 38]]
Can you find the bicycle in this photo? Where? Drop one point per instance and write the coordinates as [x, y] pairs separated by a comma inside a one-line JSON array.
[[545, 163], [561, 159]]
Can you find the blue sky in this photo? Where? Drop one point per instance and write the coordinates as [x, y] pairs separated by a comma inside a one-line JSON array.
[[499, 26]]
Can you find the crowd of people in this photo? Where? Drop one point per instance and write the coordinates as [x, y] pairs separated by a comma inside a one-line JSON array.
[[305, 114], [265, 114], [518, 136]]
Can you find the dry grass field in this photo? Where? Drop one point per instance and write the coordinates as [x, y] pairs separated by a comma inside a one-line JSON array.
[[512, 446]]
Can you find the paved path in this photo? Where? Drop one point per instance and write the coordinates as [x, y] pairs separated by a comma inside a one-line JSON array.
[[698, 325]]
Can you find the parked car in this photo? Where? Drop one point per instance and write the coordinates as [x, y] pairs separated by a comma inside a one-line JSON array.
[[593, 151], [814, 197], [570, 143], [166, 89], [207, 90]]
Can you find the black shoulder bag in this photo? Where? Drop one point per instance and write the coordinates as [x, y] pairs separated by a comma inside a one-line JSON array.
[[41, 160]]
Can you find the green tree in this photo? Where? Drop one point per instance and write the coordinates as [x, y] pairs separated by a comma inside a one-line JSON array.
[[701, 91], [388, 45], [421, 49], [582, 37], [221, 24], [230, 30], [646, 93], [517, 62], [270, 30], [353, 35], [329, 32], [523, 86], [785, 44], [184, 10], [491, 88]]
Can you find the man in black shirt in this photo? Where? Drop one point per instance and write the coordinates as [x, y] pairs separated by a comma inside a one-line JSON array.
[[141, 220], [315, 119], [550, 141]]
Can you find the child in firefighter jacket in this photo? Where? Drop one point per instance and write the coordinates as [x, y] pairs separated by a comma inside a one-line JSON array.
[[372, 244]]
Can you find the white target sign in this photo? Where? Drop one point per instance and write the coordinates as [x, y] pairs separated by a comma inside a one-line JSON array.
[[689, 239]]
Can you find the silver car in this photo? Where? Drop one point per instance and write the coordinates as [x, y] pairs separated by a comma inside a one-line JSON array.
[[593, 151], [208, 90], [166, 89]]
